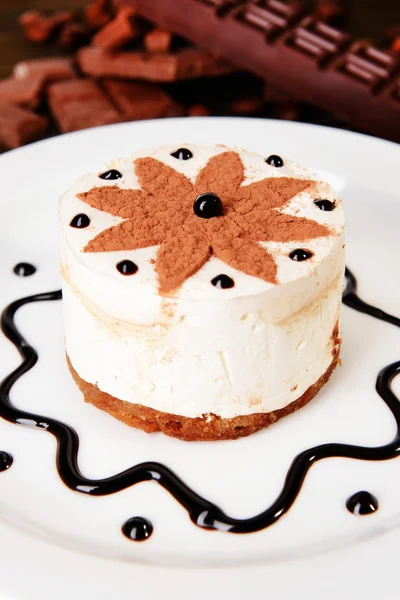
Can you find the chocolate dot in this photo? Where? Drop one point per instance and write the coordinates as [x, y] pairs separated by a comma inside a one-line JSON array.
[[300, 254], [207, 206], [80, 221], [362, 503], [182, 154], [324, 204], [24, 269], [137, 529], [127, 267], [6, 460], [223, 282], [110, 175], [274, 161]]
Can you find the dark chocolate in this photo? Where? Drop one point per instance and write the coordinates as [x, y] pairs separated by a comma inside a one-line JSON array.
[[306, 58]]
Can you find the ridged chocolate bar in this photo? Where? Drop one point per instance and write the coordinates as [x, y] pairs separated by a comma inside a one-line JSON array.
[[310, 60]]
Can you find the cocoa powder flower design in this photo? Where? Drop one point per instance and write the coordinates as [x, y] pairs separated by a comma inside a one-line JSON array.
[[162, 213]]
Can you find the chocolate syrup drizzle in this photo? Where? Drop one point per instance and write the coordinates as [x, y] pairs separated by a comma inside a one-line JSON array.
[[203, 513]]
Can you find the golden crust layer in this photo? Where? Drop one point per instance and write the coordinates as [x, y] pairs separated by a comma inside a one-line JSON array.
[[208, 428]]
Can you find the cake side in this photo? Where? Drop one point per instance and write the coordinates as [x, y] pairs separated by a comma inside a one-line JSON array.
[[241, 328]]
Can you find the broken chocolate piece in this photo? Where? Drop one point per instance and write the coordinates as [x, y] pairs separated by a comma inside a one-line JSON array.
[[158, 41], [79, 104], [184, 64], [98, 14], [25, 92], [44, 69], [119, 31], [19, 126], [38, 28], [73, 35], [198, 110]]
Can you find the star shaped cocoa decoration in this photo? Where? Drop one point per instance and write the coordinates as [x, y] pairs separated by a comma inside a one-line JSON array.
[[162, 213]]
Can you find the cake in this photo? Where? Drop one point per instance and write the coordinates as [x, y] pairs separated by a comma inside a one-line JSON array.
[[201, 288]]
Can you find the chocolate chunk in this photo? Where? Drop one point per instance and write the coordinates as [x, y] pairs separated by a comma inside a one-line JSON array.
[[38, 28], [198, 110], [246, 106], [119, 31], [79, 104], [139, 100], [98, 14], [73, 35], [25, 92], [158, 41], [19, 126], [45, 69], [184, 64]]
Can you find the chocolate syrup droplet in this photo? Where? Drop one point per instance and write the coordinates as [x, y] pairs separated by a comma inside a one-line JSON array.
[[208, 206], [182, 154], [127, 267], [80, 221], [137, 529], [110, 175], [274, 161], [362, 503], [24, 269], [300, 254], [325, 205], [6, 460], [223, 282]]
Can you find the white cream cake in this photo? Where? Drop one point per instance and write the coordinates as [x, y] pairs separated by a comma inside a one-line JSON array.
[[201, 288]]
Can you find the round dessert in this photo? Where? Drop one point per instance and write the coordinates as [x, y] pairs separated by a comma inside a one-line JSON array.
[[202, 288]]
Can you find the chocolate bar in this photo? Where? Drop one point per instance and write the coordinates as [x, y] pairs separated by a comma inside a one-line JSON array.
[[19, 126], [79, 104], [186, 63], [305, 57]]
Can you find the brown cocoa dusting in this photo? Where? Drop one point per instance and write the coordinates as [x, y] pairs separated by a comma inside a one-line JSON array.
[[164, 209]]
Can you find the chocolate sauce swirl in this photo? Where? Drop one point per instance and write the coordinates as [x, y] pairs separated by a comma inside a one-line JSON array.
[[201, 511]]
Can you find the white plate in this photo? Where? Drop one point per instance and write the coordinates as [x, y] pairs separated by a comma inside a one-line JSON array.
[[56, 543]]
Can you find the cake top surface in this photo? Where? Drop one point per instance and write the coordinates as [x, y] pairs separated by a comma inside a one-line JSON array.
[[201, 221]]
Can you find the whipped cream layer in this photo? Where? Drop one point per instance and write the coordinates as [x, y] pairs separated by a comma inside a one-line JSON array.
[[251, 348]]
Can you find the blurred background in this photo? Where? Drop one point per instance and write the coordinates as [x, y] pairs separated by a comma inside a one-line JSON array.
[[375, 22]]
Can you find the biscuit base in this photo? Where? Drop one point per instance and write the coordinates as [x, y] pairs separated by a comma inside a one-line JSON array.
[[207, 428]]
